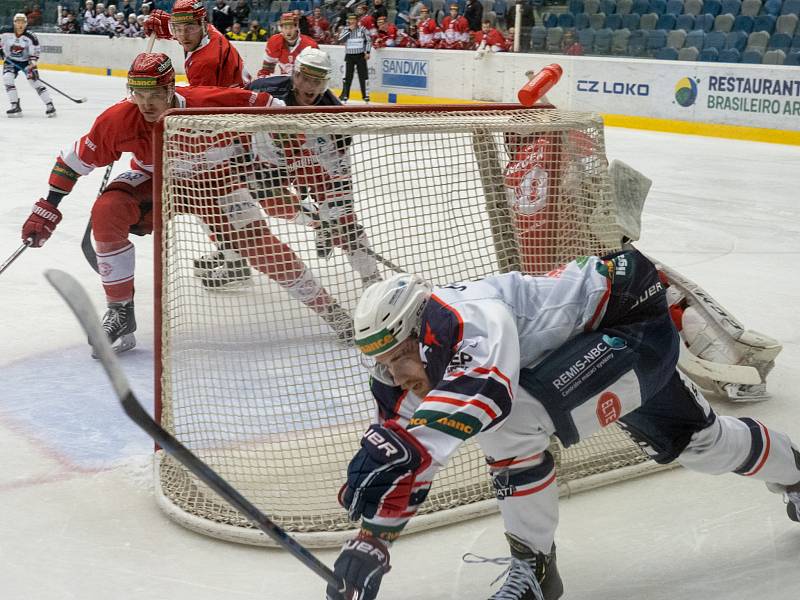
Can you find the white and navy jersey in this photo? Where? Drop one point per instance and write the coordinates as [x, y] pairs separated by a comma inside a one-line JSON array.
[[20, 49], [476, 336]]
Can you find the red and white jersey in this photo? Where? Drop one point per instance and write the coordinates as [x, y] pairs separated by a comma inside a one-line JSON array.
[[386, 37], [320, 29], [493, 39], [368, 23], [216, 63], [455, 32], [429, 33], [122, 128], [282, 55]]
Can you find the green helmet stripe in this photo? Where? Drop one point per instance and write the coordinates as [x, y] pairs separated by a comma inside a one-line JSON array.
[[377, 343]]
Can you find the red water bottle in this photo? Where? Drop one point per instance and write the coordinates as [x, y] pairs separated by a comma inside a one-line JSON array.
[[537, 87]]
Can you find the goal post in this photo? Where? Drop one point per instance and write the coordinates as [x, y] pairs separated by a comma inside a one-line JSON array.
[[254, 380]]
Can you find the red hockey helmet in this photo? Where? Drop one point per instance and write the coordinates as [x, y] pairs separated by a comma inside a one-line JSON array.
[[288, 17], [151, 70], [188, 11]]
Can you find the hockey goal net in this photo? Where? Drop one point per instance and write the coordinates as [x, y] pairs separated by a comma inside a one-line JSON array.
[[255, 382]]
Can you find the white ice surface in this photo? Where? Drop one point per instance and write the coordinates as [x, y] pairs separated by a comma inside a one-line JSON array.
[[77, 517]]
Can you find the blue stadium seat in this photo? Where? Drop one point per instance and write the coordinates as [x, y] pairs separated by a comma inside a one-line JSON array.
[[619, 42], [614, 22], [658, 6], [790, 7], [608, 7], [403, 5], [771, 7], [752, 57], [780, 41], [586, 39], [550, 20], [656, 40], [597, 21], [566, 20], [730, 55], [695, 39], [640, 7], [631, 21], [581, 21], [675, 7], [712, 7], [709, 55], [795, 42], [793, 59], [602, 42], [736, 40], [666, 22], [704, 22], [575, 6], [731, 7], [538, 38], [685, 22], [765, 23], [667, 54], [637, 43], [744, 23], [715, 39]]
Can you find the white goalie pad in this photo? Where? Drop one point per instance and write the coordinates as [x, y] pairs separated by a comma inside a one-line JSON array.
[[720, 355]]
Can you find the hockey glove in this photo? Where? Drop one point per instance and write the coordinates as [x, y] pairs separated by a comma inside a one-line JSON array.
[[362, 564], [157, 22], [381, 478], [41, 223], [342, 232], [32, 72]]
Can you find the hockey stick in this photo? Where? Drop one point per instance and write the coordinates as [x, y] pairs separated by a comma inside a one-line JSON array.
[[15, 255], [384, 261], [86, 241], [67, 96], [76, 298]]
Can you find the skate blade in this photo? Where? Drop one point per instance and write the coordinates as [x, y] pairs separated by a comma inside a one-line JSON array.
[[17, 116], [123, 344], [51, 115]]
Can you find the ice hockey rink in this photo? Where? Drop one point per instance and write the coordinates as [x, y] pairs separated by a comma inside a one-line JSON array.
[[77, 514]]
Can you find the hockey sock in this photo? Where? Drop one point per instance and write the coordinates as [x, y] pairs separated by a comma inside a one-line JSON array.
[[745, 447], [41, 89], [11, 89], [117, 263]]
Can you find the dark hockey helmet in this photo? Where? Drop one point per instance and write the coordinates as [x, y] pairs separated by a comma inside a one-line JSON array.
[[188, 11]]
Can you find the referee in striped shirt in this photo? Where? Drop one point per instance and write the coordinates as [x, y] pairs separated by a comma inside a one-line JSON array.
[[356, 52]]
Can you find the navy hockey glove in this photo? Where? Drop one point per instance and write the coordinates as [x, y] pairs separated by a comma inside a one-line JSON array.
[[381, 478], [361, 564], [41, 223]]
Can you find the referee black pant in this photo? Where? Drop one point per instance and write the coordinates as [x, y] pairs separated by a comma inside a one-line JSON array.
[[351, 62]]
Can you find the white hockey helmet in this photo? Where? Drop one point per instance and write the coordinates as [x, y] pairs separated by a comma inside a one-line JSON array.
[[314, 63], [21, 17], [389, 312]]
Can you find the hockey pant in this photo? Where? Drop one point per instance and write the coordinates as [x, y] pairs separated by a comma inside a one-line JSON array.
[[625, 372], [10, 70], [355, 62]]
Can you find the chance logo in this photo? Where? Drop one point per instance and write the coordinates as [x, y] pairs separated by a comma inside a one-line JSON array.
[[686, 91]]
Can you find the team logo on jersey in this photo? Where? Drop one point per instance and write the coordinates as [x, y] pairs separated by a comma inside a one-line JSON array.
[[459, 362], [609, 408], [587, 364], [430, 337], [606, 268]]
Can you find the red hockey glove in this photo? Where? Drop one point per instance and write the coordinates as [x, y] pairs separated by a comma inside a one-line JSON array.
[[158, 22], [362, 563], [41, 224]]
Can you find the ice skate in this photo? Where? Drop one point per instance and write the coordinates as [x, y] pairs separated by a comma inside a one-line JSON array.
[[15, 111], [339, 321], [792, 497], [529, 575], [51, 111], [119, 323], [222, 269]]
